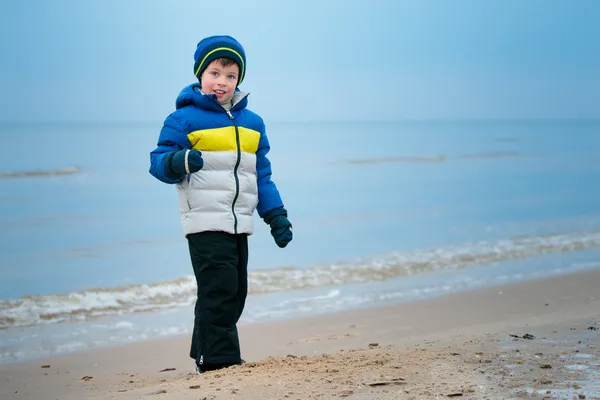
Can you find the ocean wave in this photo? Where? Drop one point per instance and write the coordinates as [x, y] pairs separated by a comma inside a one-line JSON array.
[[415, 159], [435, 159], [497, 154], [40, 172], [83, 305]]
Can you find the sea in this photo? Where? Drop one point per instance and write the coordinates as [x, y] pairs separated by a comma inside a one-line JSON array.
[[92, 253]]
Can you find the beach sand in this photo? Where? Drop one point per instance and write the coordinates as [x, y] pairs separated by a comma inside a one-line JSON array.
[[454, 346]]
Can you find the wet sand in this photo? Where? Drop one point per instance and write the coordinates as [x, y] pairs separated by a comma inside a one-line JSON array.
[[537, 339]]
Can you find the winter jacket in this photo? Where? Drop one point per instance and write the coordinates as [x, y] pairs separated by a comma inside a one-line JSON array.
[[236, 176]]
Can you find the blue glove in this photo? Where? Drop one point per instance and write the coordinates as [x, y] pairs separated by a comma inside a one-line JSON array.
[[176, 162], [281, 227]]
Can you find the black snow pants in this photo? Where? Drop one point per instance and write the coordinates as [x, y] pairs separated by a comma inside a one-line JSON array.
[[220, 262]]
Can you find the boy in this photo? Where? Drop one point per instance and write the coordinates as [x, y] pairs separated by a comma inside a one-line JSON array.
[[215, 152]]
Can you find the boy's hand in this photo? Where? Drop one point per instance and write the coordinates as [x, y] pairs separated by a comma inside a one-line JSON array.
[[281, 230], [281, 227], [186, 162]]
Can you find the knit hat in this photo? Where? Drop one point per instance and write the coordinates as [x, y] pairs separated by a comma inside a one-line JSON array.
[[213, 47]]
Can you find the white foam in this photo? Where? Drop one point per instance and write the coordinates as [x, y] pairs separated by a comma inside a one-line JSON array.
[[69, 347], [33, 310], [577, 367]]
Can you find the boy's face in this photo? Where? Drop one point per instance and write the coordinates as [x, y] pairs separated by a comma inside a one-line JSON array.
[[220, 81]]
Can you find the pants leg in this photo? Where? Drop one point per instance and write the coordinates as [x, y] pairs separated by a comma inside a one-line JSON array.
[[242, 268], [214, 257]]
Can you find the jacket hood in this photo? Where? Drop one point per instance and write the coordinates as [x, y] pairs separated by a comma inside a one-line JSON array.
[[191, 95]]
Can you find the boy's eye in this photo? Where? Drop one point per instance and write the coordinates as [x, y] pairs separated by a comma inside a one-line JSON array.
[[231, 77], [213, 73]]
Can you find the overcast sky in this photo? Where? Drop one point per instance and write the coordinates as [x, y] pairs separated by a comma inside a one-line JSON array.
[[125, 60]]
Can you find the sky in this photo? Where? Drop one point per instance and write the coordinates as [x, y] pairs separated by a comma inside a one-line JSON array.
[[308, 60]]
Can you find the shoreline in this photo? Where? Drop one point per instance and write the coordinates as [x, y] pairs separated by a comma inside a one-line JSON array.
[[30, 343], [542, 307]]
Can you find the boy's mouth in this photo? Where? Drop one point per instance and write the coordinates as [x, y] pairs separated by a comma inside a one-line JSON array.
[[217, 91]]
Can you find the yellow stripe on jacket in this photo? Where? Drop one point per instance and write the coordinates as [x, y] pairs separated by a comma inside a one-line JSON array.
[[223, 139]]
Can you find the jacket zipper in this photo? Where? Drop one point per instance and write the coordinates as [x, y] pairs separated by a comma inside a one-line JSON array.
[[235, 170]]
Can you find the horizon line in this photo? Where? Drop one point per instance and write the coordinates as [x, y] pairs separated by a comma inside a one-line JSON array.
[[428, 119]]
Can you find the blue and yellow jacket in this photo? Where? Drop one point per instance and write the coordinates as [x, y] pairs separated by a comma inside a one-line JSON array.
[[236, 177]]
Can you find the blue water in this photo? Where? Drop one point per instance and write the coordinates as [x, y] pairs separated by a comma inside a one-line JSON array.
[[113, 224], [353, 190]]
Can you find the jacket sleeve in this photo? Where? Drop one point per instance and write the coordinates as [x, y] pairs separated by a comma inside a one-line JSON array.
[[172, 138], [268, 195]]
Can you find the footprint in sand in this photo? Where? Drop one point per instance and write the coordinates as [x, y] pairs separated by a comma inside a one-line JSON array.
[[330, 337], [344, 336], [309, 340]]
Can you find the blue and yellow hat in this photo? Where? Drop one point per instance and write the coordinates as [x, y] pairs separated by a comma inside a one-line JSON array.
[[213, 47]]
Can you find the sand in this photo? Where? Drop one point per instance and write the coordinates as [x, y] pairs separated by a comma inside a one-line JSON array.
[[471, 345]]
